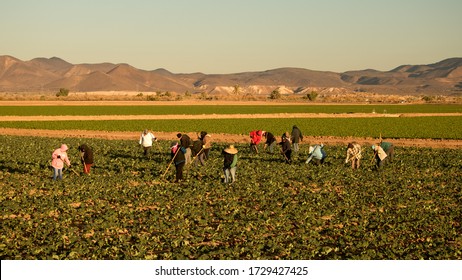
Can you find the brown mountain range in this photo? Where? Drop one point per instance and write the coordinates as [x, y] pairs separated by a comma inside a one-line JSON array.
[[51, 74]]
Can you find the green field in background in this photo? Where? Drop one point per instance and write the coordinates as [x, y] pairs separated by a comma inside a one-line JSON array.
[[416, 127]]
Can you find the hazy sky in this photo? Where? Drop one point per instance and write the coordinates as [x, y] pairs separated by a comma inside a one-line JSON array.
[[218, 36]]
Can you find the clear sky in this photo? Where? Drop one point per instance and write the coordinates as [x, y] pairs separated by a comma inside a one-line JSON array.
[[230, 36]]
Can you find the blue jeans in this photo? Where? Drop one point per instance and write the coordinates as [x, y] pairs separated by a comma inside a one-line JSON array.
[[230, 174], [296, 148], [271, 147], [57, 172]]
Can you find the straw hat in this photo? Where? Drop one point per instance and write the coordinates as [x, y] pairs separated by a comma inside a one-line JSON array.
[[231, 150], [310, 149]]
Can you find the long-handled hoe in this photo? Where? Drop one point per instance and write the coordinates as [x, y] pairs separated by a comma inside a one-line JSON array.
[[71, 169], [188, 167], [209, 166], [168, 167], [83, 162], [282, 152], [375, 152], [373, 158], [192, 161], [160, 150]]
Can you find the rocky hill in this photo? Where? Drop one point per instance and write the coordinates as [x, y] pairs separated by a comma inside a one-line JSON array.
[[51, 74]]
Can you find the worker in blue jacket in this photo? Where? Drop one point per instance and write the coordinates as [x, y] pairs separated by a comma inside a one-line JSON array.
[[316, 154]]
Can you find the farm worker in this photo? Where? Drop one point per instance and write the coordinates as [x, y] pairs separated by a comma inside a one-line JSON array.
[[206, 143], [296, 137], [187, 143], [317, 154], [146, 139], [197, 151], [286, 149], [230, 164], [389, 150], [379, 155], [59, 157], [86, 156], [353, 153], [177, 153], [255, 138], [270, 141]]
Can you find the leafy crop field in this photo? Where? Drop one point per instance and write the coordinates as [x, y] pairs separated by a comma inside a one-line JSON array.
[[222, 109], [416, 127], [125, 210]]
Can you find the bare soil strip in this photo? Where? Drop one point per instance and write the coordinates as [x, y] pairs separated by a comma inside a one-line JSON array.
[[225, 138]]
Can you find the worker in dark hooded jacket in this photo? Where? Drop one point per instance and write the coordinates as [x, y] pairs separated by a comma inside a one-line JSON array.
[[86, 157], [286, 150], [271, 141], [177, 153], [187, 143], [197, 151], [296, 137], [206, 142]]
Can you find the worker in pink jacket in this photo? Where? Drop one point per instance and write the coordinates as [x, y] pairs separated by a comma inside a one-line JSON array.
[[59, 157]]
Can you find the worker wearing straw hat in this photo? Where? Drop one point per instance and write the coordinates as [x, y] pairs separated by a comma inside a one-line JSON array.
[[230, 164]]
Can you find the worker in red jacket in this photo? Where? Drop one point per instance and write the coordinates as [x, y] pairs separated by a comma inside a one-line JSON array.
[[255, 138]]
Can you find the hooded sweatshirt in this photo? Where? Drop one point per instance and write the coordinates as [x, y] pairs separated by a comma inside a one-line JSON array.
[[58, 162]]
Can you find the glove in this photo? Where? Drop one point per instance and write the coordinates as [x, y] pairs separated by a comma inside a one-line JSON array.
[[59, 156]]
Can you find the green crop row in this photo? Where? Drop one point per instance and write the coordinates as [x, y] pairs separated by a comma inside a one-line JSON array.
[[125, 210], [416, 127], [223, 109]]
